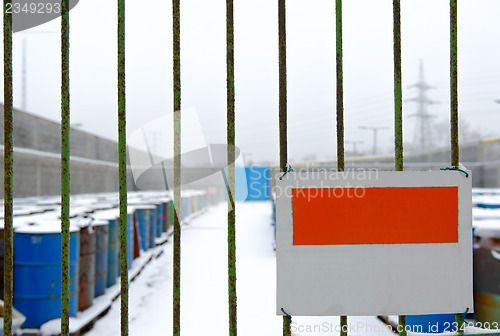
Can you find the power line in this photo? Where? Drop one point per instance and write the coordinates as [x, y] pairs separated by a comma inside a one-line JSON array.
[[423, 131]]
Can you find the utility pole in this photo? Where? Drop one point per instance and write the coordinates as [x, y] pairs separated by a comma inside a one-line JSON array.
[[375, 132], [354, 143], [24, 66], [423, 131]]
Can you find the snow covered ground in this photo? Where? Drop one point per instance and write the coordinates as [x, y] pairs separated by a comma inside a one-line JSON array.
[[204, 284]]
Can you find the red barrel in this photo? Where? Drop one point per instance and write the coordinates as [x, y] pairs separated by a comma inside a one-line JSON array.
[[87, 267]]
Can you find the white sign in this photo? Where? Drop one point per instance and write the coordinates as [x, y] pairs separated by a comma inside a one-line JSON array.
[[370, 243]]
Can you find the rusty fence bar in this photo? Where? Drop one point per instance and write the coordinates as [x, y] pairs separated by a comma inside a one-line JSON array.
[[8, 169], [65, 167], [231, 157], [122, 170], [176, 30], [454, 84], [283, 112], [340, 87], [282, 84], [455, 154], [65, 148], [340, 112], [398, 94], [398, 110]]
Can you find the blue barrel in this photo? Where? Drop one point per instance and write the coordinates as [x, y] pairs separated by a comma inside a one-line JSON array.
[[130, 235], [159, 219], [111, 216], [163, 202], [192, 200], [182, 211], [171, 213], [37, 273], [186, 207], [167, 214], [165, 206], [101, 256], [113, 249], [152, 228], [143, 224], [201, 200]]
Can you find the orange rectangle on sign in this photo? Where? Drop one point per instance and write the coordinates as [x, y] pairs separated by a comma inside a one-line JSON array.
[[390, 215]]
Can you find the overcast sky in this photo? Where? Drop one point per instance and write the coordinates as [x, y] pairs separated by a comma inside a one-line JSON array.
[[368, 69]]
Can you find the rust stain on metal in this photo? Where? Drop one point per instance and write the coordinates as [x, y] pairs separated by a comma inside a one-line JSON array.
[[283, 110], [231, 157], [87, 269], [282, 85], [454, 84], [122, 170], [8, 170], [340, 88], [65, 167], [176, 31], [398, 95], [344, 327]]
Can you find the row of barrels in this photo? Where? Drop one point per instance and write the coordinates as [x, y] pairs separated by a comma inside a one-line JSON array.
[[94, 248], [486, 256]]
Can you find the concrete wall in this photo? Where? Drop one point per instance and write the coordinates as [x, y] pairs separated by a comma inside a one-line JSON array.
[[44, 135], [37, 144]]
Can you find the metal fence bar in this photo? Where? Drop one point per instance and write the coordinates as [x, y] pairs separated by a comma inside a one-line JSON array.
[[282, 84], [340, 113], [340, 88], [398, 94], [283, 112], [402, 324], [454, 83], [455, 155], [176, 29], [65, 167], [398, 109], [231, 157], [8, 169], [344, 327], [122, 170]]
